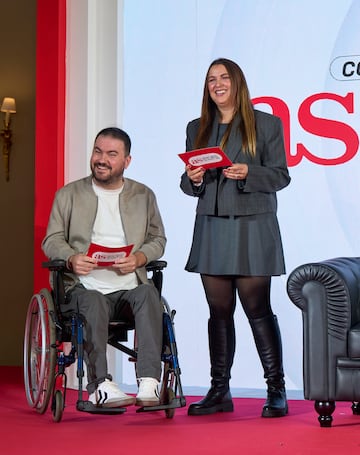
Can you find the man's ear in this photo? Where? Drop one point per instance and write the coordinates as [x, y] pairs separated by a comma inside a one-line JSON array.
[[127, 161]]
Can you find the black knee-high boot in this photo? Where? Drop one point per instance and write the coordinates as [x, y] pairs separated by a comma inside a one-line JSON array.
[[222, 349], [268, 343]]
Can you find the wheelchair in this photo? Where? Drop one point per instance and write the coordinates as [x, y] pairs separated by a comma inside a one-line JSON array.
[[45, 360]]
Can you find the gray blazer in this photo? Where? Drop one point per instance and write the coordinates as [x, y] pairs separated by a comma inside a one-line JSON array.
[[267, 174], [73, 215]]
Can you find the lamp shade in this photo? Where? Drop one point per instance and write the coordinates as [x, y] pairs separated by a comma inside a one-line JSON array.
[[8, 105]]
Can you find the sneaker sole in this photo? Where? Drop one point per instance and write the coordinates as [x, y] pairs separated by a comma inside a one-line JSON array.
[[221, 407], [118, 403]]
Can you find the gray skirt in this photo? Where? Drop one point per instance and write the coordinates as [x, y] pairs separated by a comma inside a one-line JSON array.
[[240, 245]]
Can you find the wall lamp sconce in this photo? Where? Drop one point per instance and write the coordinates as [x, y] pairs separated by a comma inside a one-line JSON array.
[[9, 107]]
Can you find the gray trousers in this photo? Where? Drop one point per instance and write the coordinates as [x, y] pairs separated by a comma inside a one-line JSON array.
[[140, 305]]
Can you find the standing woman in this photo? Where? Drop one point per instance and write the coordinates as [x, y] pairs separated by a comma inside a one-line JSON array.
[[236, 244]]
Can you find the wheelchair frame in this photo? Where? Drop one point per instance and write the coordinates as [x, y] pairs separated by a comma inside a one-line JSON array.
[[45, 362]]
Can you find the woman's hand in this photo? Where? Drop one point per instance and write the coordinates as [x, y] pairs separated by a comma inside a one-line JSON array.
[[196, 174], [236, 171]]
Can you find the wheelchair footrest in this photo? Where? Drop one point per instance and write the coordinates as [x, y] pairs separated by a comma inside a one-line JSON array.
[[87, 406], [174, 404]]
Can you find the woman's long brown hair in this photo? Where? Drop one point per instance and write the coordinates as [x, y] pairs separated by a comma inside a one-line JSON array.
[[242, 106]]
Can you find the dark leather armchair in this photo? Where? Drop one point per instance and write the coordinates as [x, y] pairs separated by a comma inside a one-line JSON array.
[[328, 294]]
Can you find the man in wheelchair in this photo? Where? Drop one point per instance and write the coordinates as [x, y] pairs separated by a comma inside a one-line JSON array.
[[119, 214]]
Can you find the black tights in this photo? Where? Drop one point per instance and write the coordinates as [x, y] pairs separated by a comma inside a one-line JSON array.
[[253, 291]]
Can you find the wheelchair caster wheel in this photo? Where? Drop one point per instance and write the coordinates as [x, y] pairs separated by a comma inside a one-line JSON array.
[[57, 406], [170, 396]]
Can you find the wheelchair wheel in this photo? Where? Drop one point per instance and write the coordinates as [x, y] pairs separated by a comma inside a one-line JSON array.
[[57, 406], [40, 351]]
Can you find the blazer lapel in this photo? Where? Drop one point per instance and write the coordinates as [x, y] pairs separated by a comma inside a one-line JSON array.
[[233, 146], [214, 133]]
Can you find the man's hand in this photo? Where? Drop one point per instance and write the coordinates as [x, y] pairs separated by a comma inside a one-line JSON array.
[[81, 264], [130, 263]]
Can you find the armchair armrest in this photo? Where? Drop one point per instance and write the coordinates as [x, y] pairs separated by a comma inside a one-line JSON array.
[[328, 293]]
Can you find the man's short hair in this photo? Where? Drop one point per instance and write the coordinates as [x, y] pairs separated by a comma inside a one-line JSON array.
[[117, 133]]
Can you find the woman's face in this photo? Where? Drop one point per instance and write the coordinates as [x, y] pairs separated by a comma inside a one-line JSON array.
[[219, 86]]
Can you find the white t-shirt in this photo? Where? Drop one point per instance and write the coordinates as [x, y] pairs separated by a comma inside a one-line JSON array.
[[108, 231]]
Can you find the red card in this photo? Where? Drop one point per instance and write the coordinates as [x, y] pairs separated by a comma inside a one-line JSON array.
[[209, 157], [106, 256]]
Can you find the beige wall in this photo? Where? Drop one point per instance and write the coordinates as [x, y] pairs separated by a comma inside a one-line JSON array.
[[17, 79]]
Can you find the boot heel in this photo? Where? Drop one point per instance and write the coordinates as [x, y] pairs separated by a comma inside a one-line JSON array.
[[225, 407], [276, 404]]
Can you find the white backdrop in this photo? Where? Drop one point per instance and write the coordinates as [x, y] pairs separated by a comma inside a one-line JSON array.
[[295, 51]]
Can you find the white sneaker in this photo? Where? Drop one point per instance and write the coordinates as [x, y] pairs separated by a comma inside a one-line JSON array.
[[108, 395], [148, 394]]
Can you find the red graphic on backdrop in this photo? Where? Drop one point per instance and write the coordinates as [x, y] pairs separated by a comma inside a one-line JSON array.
[[322, 127]]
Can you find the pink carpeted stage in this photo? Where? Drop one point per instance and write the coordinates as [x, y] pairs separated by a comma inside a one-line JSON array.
[[241, 432]]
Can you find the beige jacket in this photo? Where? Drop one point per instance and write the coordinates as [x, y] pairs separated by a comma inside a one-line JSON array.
[[73, 215]]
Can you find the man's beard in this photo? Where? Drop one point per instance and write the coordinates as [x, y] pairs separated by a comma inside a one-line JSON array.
[[110, 178]]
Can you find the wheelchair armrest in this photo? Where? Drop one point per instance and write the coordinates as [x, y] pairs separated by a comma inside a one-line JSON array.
[[55, 265], [60, 264], [156, 268], [155, 265]]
